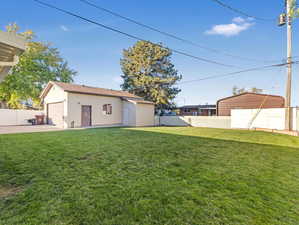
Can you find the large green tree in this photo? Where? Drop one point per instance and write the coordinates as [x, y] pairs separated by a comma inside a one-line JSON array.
[[38, 65], [149, 73]]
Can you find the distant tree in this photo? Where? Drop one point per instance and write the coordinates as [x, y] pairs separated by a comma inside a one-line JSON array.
[[237, 91], [294, 9], [149, 73], [256, 90], [38, 65]]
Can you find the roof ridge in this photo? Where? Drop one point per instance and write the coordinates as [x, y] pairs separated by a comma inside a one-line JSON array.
[[87, 86], [84, 89], [247, 92]]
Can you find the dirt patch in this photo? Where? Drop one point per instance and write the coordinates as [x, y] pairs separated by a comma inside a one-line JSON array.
[[8, 191]]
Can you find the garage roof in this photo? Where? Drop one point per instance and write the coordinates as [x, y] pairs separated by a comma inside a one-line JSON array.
[[82, 89], [138, 101], [11, 45], [249, 93]]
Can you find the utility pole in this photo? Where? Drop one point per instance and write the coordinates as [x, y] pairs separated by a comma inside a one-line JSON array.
[[288, 114]]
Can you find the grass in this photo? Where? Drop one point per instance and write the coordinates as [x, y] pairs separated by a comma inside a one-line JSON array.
[[147, 176]]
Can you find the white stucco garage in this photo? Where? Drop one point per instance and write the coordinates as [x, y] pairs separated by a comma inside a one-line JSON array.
[[70, 105]]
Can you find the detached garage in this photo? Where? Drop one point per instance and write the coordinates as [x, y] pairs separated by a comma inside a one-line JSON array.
[[70, 105], [248, 101]]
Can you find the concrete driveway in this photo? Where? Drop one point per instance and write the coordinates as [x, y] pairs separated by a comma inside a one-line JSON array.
[[27, 129]]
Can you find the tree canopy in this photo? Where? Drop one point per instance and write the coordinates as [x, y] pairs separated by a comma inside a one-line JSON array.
[[149, 73], [38, 65], [294, 9], [237, 91]]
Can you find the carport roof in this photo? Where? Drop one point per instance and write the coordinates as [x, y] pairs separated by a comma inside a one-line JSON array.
[[82, 89], [11, 45]]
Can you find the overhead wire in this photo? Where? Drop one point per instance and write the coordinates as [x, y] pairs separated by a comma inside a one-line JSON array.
[[98, 7], [176, 51], [236, 73], [240, 12], [132, 36]]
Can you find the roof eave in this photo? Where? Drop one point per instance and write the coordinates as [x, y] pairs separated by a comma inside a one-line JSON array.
[[12, 45], [87, 93], [46, 90], [13, 40]]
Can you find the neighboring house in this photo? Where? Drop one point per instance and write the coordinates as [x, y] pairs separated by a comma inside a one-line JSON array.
[[248, 101], [70, 105], [198, 110], [11, 46]]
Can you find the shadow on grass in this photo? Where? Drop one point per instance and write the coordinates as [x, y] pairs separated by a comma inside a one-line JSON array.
[[147, 176], [244, 136]]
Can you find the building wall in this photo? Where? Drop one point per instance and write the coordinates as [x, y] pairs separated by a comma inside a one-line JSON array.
[[197, 112], [55, 94], [248, 101], [75, 101], [145, 115], [12, 117], [208, 112], [189, 112], [196, 121], [129, 113]]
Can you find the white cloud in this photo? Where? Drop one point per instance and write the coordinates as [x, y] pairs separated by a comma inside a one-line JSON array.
[[64, 28], [117, 79], [239, 20], [238, 25]]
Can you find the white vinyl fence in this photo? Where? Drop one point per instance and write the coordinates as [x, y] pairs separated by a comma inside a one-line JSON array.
[[240, 119], [264, 118], [195, 121], [10, 117]]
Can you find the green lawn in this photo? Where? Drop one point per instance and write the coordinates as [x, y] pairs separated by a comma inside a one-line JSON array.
[[147, 176]]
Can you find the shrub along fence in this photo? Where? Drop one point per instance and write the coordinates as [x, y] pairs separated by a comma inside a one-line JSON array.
[[10, 117]]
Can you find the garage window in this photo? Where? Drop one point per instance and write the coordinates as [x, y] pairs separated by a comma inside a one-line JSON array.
[[107, 109]]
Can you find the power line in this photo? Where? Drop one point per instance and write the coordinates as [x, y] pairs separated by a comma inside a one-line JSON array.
[[171, 35], [236, 73], [241, 12], [130, 35]]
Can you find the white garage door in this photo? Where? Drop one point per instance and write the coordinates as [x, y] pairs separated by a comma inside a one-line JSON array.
[[55, 114]]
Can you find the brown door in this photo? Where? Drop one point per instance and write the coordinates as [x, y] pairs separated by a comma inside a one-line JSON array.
[[86, 116]]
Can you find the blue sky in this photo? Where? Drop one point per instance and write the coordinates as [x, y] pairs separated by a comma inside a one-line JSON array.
[[95, 52]]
